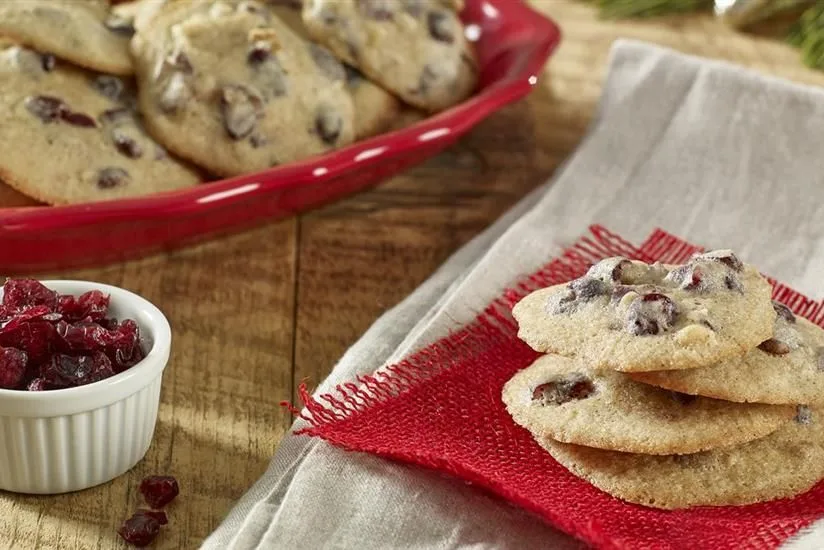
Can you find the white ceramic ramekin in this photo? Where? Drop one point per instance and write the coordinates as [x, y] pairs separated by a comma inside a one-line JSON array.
[[65, 440]]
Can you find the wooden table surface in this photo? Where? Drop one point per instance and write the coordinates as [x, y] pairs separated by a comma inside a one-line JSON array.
[[255, 314]]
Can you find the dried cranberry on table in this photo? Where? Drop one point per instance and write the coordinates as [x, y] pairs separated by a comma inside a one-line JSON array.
[[140, 529], [159, 490], [51, 341]]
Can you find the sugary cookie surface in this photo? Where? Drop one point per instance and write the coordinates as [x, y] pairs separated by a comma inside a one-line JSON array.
[[632, 316]]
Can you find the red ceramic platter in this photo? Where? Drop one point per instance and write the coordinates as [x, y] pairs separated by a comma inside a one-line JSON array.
[[513, 43]]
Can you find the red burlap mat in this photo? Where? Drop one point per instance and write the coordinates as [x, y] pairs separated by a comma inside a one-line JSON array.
[[441, 408]]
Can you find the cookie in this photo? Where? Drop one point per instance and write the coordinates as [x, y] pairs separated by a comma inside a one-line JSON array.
[[784, 464], [416, 49], [81, 31], [74, 136], [375, 108], [634, 317], [788, 369], [232, 88], [562, 399]]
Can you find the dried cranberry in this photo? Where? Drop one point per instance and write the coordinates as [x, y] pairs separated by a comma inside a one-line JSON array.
[[77, 119], [12, 367], [82, 336], [328, 125], [159, 490], [571, 387], [726, 257], [259, 52], [241, 109], [440, 27], [732, 283], [49, 61], [109, 323], [159, 515], [140, 529], [379, 10], [619, 291], [123, 345], [108, 86], [327, 63], [93, 304], [784, 312], [37, 384], [111, 177], [694, 280], [33, 337], [587, 288], [31, 313], [22, 293], [617, 272], [71, 371], [651, 314], [126, 145], [774, 347], [46, 108]]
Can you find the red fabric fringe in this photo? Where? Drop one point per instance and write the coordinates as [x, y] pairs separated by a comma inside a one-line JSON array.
[[441, 409]]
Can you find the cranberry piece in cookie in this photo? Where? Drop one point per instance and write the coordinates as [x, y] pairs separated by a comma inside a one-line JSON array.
[[46, 108], [784, 312], [440, 27], [111, 177], [572, 387], [774, 347]]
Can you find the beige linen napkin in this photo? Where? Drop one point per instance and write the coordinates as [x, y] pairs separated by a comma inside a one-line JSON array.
[[707, 151]]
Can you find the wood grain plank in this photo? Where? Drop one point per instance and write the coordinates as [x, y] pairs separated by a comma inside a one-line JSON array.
[[230, 304]]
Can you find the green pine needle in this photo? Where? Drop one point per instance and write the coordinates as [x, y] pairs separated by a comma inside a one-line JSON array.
[[623, 9], [808, 35]]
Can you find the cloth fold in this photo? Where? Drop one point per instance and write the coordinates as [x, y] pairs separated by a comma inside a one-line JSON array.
[[708, 151]]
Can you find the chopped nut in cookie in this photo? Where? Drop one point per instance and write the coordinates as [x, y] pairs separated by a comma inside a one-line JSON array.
[[241, 108]]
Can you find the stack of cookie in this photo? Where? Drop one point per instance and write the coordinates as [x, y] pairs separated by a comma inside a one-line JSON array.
[[674, 386], [104, 102]]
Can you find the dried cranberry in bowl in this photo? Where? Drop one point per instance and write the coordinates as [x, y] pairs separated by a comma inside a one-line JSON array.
[[52, 341]]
